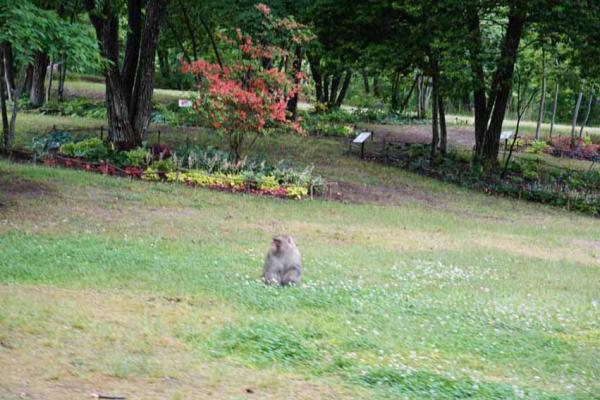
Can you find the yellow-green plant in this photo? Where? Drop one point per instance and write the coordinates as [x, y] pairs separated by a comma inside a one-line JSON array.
[[150, 174], [297, 192]]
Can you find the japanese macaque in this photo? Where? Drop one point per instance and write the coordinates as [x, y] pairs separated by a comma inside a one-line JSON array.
[[283, 265]]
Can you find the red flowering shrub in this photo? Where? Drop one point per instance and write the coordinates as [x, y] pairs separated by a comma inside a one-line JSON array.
[[249, 96]]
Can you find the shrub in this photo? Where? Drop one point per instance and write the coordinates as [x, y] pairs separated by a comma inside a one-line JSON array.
[[137, 157], [41, 145], [537, 146], [92, 149]]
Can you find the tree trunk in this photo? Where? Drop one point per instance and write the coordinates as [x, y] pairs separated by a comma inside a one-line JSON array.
[[554, 105], [365, 78], [62, 76], [333, 91], [376, 90], [540, 117], [501, 87], [38, 78], [3, 110], [50, 74], [587, 114], [344, 89], [190, 30], [443, 130], [292, 105], [315, 70], [128, 92], [7, 65], [141, 107], [407, 97], [434, 130], [325, 99], [395, 84], [576, 115], [420, 97]]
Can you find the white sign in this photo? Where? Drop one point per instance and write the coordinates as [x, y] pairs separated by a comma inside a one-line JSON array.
[[505, 135], [362, 137], [185, 103]]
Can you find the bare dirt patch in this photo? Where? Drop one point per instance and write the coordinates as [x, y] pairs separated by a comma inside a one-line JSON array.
[[463, 137], [14, 189]]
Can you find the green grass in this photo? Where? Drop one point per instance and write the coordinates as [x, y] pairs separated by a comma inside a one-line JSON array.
[[444, 293], [413, 288]]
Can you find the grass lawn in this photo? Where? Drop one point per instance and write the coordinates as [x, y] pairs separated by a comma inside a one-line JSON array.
[[144, 290]]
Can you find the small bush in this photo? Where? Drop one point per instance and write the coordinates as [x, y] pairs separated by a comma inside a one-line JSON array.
[[92, 149]]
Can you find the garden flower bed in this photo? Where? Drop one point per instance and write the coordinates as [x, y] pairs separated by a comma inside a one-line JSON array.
[[196, 167]]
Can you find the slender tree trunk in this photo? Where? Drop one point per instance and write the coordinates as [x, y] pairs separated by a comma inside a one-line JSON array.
[[376, 90], [540, 117], [395, 84], [50, 74], [342, 95], [315, 70], [435, 138], [443, 130], [7, 65], [365, 78], [335, 83], [3, 110], [554, 105], [190, 30], [420, 97], [15, 109], [40, 65], [292, 105], [407, 97], [587, 114], [576, 115], [213, 42], [325, 89]]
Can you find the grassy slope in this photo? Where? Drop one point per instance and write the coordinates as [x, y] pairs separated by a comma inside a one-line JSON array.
[[150, 290]]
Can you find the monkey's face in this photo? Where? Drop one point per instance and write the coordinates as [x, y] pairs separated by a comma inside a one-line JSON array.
[[276, 244], [281, 243]]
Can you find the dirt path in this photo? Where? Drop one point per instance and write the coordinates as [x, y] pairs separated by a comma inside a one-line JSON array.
[[463, 137]]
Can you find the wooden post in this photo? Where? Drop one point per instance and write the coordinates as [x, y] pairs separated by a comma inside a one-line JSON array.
[[362, 150], [159, 138], [102, 132]]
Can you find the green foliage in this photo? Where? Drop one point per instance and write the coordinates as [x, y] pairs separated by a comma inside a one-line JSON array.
[[80, 107], [41, 145], [537, 146], [163, 165], [93, 149], [137, 157]]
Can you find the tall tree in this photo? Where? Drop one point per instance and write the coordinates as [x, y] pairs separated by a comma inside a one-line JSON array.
[[129, 86]]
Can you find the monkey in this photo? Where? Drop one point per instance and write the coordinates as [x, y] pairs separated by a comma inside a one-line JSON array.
[[283, 266]]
